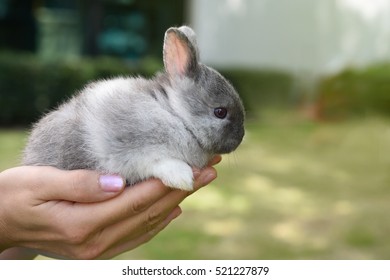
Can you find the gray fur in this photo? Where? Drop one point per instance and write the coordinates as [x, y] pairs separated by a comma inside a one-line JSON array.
[[143, 128]]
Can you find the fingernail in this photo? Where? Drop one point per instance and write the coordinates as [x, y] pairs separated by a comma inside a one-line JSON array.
[[178, 213], [111, 183], [175, 213], [196, 172], [207, 177]]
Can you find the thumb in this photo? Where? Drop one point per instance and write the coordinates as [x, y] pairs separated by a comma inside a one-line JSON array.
[[79, 185]]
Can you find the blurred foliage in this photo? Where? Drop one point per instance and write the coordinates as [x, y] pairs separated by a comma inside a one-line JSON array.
[[355, 92], [29, 86], [260, 88]]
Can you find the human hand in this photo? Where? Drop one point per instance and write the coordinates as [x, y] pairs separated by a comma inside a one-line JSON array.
[[79, 215]]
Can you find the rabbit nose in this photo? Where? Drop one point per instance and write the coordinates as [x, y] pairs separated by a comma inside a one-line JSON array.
[[231, 140]]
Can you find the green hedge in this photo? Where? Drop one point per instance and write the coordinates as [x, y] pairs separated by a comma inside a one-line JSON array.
[[355, 92], [30, 86]]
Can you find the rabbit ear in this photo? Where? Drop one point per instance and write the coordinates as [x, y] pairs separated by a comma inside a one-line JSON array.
[[180, 52]]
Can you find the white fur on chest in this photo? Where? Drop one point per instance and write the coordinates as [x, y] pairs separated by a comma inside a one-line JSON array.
[[158, 145]]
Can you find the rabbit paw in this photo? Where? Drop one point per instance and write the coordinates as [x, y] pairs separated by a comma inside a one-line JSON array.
[[174, 173]]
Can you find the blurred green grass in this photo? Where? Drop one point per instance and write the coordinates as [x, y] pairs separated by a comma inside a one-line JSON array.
[[295, 189], [11, 145]]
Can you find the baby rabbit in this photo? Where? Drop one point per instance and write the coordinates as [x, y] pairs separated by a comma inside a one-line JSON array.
[[141, 128]]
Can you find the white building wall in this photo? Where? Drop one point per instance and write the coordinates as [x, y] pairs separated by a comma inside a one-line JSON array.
[[313, 36]]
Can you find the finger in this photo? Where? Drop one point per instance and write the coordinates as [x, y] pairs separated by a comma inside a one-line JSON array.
[[119, 219], [152, 195], [76, 185], [128, 244], [215, 160], [206, 176], [132, 201], [159, 210]]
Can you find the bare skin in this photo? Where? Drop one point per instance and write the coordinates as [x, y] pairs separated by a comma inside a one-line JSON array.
[[72, 214]]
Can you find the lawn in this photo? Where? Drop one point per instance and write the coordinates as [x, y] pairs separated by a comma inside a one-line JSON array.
[[295, 189]]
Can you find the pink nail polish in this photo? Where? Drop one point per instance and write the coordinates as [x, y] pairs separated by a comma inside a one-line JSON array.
[[111, 183]]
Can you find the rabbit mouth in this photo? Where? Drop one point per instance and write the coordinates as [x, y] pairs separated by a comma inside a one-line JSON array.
[[228, 147], [230, 143]]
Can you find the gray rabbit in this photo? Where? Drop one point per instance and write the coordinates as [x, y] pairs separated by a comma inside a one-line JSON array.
[[142, 128]]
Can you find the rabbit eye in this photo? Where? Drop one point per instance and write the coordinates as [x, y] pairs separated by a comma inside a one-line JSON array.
[[220, 112]]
